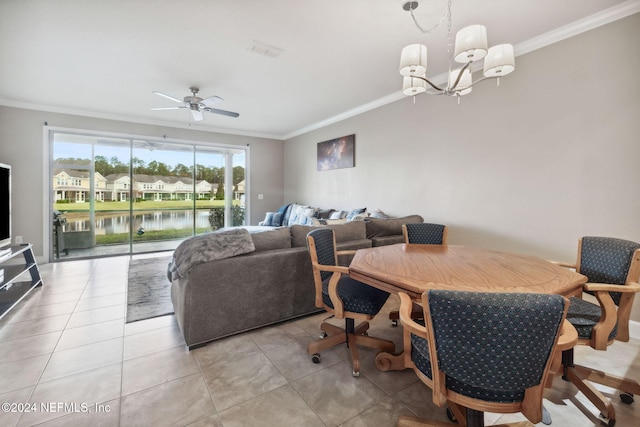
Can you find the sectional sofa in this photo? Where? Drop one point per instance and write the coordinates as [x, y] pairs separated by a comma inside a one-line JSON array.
[[270, 283]]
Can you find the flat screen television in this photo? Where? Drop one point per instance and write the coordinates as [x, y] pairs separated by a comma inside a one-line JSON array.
[[5, 205]]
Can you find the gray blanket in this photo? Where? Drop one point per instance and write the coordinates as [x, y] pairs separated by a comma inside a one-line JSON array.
[[209, 247]]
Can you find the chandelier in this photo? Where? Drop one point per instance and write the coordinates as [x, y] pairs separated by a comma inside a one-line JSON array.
[[470, 47]]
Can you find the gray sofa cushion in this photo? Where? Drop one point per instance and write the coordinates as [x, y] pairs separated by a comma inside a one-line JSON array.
[[379, 227], [278, 238], [354, 230], [386, 240]]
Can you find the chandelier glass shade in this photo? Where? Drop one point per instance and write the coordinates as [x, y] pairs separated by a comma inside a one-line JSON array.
[[470, 47]]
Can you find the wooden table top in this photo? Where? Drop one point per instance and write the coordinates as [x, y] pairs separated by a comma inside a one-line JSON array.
[[416, 268]]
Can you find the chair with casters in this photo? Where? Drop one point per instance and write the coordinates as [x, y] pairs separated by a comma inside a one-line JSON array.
[[612, 267], [421, 233], [483, 351], [344, 298]]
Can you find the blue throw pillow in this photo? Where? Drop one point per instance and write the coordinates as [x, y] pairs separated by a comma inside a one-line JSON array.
[[273, 219]]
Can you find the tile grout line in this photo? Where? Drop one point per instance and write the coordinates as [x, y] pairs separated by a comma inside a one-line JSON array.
[[37, 383]]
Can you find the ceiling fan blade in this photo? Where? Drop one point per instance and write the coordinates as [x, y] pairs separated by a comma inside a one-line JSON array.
[[223, 112], [211, 100], [197, 115], [168, 97], [167, 108]]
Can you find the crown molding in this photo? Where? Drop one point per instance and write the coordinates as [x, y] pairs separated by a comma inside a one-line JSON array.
[[396, 96], [136, 120], [580, 26], [596, 20]]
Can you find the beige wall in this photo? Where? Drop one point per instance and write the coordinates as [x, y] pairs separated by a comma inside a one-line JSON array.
[[22, 146], [549, 156]]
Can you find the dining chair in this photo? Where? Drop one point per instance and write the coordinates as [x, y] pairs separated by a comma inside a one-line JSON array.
[[482, 351], [612, 267], [343, 297], [425, 233], [421, 233]]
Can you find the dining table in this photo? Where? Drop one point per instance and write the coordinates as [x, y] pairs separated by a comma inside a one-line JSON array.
[[415, 268]]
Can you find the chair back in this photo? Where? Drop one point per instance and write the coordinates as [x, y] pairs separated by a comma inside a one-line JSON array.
[[492, 346], [608, 260], [425, 233], [322, 247]]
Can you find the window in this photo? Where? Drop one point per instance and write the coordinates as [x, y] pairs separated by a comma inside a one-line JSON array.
[[133, 195]]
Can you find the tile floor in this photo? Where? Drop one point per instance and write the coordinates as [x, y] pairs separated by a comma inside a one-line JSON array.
[[68, 356]]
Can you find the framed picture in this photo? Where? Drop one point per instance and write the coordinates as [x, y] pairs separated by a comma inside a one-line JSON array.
[[337, 153]]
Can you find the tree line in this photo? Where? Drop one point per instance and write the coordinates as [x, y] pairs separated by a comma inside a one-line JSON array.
[[213, 175]]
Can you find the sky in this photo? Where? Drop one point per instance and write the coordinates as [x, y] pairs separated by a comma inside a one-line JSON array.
[[80, 146]]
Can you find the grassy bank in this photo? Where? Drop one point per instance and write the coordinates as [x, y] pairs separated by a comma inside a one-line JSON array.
[[140, 206], [148, 236]]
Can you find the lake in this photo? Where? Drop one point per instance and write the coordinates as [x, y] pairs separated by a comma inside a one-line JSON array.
[[119, 222]]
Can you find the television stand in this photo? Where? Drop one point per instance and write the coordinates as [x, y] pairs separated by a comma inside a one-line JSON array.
[[4, 254], [17, 280]]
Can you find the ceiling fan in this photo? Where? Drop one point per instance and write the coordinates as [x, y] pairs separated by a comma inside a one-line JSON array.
[[196, 105]]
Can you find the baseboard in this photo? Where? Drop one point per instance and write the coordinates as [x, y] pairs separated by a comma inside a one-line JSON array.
[[634, 329]]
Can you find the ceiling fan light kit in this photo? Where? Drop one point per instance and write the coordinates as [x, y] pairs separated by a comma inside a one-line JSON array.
[[195, 105], [470, 46]]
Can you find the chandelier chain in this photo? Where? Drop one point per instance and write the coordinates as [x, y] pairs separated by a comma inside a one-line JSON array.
[[449, 34], [449, 27], [430, 30]]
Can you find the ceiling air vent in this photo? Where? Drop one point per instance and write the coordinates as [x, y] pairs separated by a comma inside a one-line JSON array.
[[265, 49]]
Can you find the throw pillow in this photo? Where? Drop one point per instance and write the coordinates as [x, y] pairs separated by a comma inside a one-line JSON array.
[[338, 215], [305, 217], [355, 212], [296, 211], [378, 214], [359, 217], [272, 219]]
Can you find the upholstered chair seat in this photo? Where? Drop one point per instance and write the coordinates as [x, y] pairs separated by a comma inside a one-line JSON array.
[[356, 296], [584, 315]]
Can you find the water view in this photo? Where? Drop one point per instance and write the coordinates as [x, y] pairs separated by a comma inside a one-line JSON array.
[[119, 222]]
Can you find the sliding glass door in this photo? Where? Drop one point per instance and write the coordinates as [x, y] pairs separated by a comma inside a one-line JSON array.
[[162, 200], [117, 195]]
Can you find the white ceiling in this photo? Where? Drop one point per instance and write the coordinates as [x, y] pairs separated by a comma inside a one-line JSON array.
[[339, 57]]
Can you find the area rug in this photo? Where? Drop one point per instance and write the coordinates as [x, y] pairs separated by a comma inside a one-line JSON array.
[[149, 290]]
